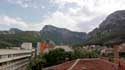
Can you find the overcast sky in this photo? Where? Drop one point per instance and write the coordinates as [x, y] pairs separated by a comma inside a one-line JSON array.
[[76, 15]]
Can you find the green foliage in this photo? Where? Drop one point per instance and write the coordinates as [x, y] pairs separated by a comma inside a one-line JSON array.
[[15, 40], [85, 54], [55, 57], [107, 38], [58, 56], [36, 63]]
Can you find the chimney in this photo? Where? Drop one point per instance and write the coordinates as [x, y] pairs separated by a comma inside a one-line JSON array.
[[116, 53]]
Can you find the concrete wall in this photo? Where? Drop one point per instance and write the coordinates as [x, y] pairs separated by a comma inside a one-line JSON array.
[[65, 47]]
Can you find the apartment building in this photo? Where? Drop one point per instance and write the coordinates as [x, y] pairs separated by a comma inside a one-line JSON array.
[[15, 59]]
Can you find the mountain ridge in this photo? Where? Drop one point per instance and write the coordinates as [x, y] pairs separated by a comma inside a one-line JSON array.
[[61, 34], [111, 30], [14, 37]]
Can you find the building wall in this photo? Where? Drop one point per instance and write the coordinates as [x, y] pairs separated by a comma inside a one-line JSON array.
[[45, 47], [26, 46], [38, 48], [65, 47], [14, 59]]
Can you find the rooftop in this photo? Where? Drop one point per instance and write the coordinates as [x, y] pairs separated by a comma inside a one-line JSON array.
[[85, 64], [13, 51]]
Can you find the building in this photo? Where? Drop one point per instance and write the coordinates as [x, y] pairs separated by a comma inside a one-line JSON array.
[[38, 49], [26, 46], [106, 50], [122, 48], [16, 58], [65, 47], [44, 47]]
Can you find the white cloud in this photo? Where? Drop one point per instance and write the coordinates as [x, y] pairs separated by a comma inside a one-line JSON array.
[[101, 6], [90, 13], [22, 3], [7, 22], [57, 19], [60, 19], [62, 2], [91, 24], [87, 14]]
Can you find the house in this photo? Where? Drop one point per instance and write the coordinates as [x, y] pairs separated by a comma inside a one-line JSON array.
[[106, 50], [26, 46], [122, 48], [44, 47], [65, 47]]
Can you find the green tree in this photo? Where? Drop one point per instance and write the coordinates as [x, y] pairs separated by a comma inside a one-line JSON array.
[[59, 55], [55, 56], [37, 63]]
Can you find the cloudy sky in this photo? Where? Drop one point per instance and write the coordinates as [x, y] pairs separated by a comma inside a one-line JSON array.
[[76, 15]]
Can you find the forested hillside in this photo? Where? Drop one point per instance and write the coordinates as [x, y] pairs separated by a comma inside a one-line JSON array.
[[111, 30]]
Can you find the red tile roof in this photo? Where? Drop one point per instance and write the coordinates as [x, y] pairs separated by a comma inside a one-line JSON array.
[[86, 64], [63, 66]]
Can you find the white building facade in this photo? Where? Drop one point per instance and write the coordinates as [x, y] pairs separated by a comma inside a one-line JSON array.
[[16, 59], [26, 46], [65, 47]]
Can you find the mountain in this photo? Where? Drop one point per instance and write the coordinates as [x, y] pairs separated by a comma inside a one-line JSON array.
[[15, 30], [11, 31], [14, 37], [62, 35], [111, 30]]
